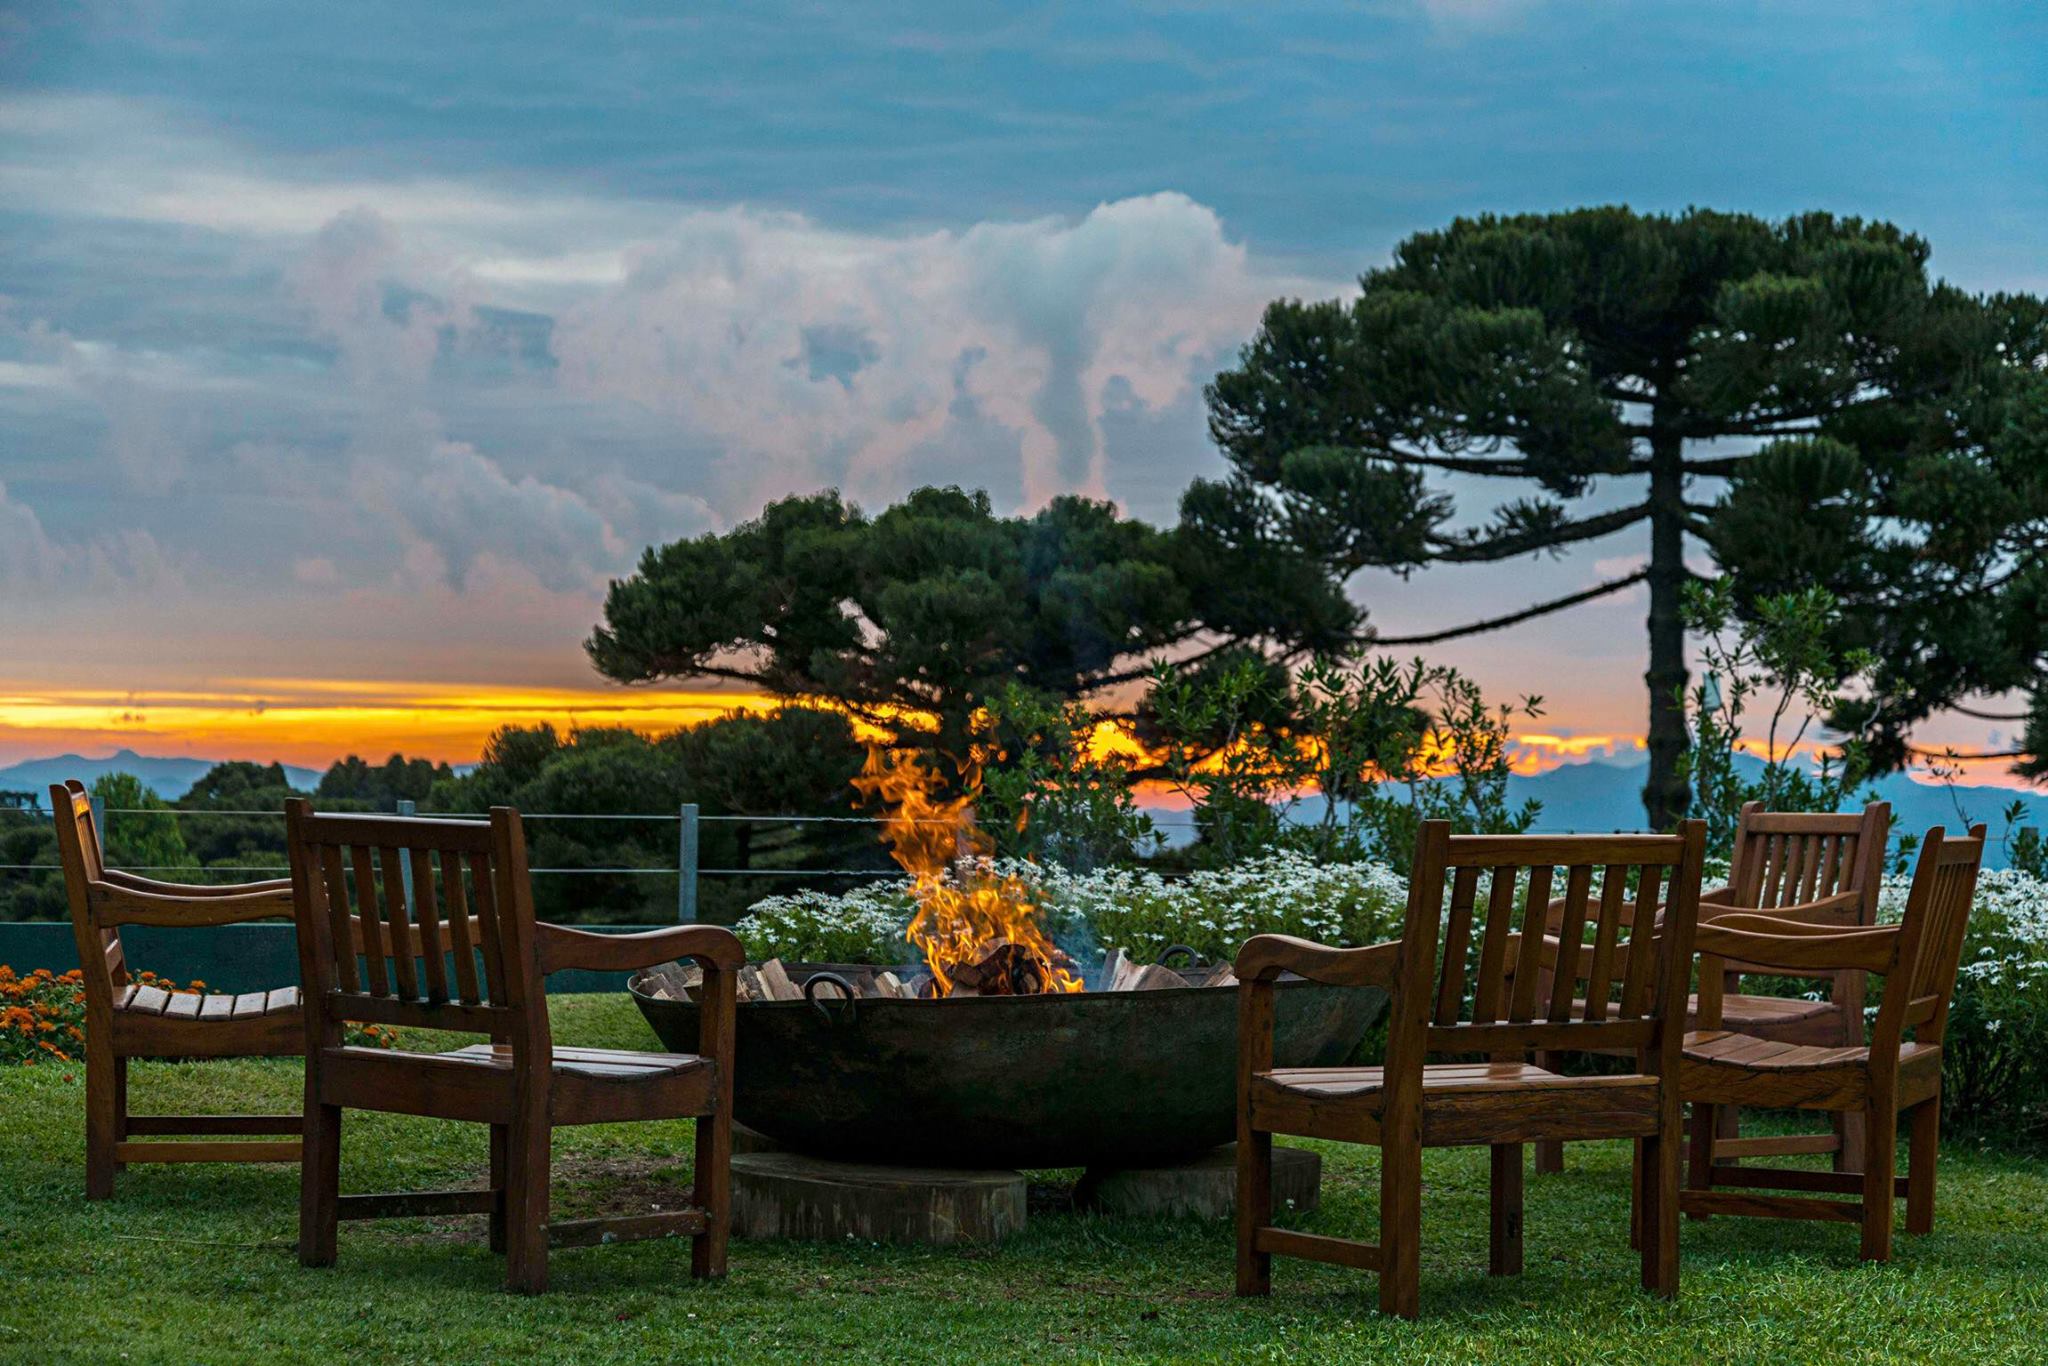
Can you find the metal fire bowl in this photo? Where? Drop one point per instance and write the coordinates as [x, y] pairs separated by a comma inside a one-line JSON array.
[[1091, 1079]]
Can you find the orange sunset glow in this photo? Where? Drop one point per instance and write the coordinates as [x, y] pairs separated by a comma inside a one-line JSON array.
[[313, 722]]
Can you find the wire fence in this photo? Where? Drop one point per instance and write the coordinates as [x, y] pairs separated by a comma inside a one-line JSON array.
[[688, 819]]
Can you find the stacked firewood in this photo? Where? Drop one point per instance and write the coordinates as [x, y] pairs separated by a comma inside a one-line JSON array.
[[1005, 970]]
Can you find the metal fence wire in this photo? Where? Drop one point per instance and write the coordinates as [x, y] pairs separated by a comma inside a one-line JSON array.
[[688, 818]]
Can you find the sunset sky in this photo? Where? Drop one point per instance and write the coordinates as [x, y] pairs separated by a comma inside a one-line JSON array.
[[346, 351]]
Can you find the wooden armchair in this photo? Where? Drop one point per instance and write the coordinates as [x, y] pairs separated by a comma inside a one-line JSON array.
[[435, 898], [1890, 1076], [1478, 997], [1817, 869], [125, 1019]]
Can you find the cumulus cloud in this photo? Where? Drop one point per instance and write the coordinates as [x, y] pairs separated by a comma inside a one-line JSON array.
[[812, 355], [433, 391]]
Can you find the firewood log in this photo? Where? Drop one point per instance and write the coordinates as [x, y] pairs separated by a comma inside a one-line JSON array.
[[1114, 964], [775, 983]]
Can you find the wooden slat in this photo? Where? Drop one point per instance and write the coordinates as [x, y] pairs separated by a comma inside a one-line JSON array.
[[1450, 997], [1493, 947], [206, 1152], [490, 932], [1600, 976], [366, 908], [149, 1001], [1774, 869], [1317, 1247], [471, 837], [281, 998], [1788, 1179], [682, 1223], [1809, 885], [214, 1124], [249, 1005], [1529, 968], [1571, 934], [217, 1006], [1642, 940], [183, 1005], [338, 921], [427, 922], [398, 942], [1770, 1206], [1521, 1036], [416, 1204], [458, 925], [1528, 851], [417, 1014], [1781, 1145]]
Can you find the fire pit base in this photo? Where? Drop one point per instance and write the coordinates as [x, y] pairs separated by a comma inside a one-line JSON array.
[[788, 1195], [1204, 1188]]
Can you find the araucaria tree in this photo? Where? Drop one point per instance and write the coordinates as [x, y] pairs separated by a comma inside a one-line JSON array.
[[1556, 352], [912, 617]]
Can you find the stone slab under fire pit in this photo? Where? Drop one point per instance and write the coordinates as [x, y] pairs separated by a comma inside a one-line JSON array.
[[1203, 1188], [788, 1195]]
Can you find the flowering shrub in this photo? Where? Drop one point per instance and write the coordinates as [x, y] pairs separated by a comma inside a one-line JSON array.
[[1995, 1054], [42, 1015], [1141, 912]]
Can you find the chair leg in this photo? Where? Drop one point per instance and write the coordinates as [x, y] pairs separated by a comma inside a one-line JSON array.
[[526, 1206], [1728, 1124], [319, 1183], [1401, 1230], [1881, 1138], [1923, 1148], [1635, 1195], [713, 1194], [1549, 1151], [1849, 1127], [104, 1088], [1504, 1246], [1658, 1166], [1254, 1210], [500, 1160], [1699, 1165]]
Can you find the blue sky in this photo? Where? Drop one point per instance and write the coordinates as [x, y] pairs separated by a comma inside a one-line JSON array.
[[367, 340]]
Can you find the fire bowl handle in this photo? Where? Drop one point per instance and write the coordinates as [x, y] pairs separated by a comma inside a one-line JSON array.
[[1166, 957], [845, 990]]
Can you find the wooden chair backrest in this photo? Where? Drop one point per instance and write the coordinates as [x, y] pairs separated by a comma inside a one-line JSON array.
[[101, 960], [1488, 991], [1918, 992], [417, 923], [1783, 858]]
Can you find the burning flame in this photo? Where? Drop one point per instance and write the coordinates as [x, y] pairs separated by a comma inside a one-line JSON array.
[[966, 925]]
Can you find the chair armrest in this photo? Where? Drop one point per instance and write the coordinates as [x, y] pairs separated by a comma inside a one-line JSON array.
[[1718, 896], [113, 905], [1770, 942], [713, 946], [1266, 956], [1834, 911], [135, 882]]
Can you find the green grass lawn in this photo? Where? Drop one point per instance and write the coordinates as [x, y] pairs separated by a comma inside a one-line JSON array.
[[197, 1263]]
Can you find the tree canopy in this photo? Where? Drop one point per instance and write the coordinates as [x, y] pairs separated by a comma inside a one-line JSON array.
[[1812, 362], [935, 603]]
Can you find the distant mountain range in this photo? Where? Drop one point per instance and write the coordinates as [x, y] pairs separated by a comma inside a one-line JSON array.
[[1607, 795], [169, 778]]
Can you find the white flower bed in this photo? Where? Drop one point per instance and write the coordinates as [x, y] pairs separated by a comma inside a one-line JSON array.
[[1133, 909]]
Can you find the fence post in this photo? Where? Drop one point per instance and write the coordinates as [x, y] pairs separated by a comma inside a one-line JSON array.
[[686, 866], [406, 808]]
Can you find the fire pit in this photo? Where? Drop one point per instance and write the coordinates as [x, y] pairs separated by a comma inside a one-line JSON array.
[[997, 1050], [1091, 1078]]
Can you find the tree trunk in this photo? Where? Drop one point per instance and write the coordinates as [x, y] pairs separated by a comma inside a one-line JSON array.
[[1666, 795]]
